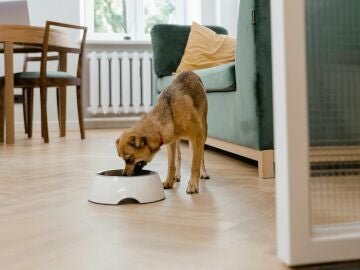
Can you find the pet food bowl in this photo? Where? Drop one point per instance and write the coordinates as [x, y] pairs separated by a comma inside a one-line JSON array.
[[111, 187]]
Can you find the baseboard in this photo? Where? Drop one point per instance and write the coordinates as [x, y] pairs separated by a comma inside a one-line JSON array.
[[90, 123], [110, 122], [53, 125]]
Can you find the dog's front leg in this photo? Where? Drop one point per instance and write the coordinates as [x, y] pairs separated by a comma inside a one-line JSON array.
[[170, 179], [197, 155]]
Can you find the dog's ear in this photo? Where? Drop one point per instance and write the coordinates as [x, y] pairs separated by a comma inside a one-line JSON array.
[[153, 143], [137, 141]]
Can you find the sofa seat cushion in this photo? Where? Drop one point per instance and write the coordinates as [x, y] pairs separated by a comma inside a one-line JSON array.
[[215, 79]]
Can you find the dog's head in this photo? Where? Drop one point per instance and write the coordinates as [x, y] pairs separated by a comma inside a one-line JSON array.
[[136, 150]]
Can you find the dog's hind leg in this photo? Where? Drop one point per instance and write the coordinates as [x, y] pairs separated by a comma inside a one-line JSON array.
[[197, 145], [178, 162], [204, 174], [170, 179]]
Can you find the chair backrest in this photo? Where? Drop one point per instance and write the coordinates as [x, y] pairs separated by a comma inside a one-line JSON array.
[[28, 59], [56, 40]]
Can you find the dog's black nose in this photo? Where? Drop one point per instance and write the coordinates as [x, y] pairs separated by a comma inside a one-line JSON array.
[[140, 165]]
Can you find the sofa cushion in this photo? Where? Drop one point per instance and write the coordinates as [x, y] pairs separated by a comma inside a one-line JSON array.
[[168, 43], [206, 49], [215, 79]]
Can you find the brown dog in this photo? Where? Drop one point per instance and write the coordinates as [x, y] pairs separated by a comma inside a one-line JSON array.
[[180, 113]]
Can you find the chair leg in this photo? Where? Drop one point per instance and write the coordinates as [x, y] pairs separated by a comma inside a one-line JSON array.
[[24, 102], [41, 116], [80, 111], [30, 107], [62, 109], [44, 123], [58, 106], [2, 115]]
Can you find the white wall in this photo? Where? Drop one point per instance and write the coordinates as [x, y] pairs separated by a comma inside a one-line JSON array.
[[40, 11]]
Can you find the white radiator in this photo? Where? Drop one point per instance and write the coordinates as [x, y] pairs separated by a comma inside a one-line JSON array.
[[120, 82]]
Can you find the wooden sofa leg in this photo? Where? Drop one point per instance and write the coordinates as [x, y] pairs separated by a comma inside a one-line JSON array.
[[266, 164]]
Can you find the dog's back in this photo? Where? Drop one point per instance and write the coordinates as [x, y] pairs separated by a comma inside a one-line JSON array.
[[185, 103], [186, 84]]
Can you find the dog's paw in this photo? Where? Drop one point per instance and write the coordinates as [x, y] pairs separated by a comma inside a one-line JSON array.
[[168, 184], [205, 176], [192, 188], [177, 178]]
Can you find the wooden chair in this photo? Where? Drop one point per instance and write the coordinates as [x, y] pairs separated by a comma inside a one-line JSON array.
[[24, 99], [44, 79]]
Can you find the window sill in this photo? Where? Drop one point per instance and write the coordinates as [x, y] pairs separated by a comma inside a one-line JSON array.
[[118, 42]]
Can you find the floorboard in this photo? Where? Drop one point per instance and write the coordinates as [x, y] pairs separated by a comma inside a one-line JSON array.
[[46, 221]]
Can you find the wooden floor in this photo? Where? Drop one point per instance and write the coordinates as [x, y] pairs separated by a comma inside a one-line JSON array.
[[46, 221]]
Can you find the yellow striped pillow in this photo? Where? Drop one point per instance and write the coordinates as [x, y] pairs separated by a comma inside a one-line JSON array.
[[206, 49]]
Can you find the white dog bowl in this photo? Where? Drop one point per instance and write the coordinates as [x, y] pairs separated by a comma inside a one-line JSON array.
[[110, 187]]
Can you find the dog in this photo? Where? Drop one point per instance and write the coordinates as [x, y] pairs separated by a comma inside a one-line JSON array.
[[179, 113]]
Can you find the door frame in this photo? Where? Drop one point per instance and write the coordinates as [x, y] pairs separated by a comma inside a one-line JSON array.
[[298, 242]]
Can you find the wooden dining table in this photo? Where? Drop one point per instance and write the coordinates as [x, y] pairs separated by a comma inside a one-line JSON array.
[[27, 39]]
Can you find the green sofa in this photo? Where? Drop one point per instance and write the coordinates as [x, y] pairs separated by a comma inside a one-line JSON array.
[[240, 118]]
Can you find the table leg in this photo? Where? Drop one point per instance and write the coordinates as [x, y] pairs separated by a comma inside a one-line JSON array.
[[2, 114], [9, 92], [62, 96]]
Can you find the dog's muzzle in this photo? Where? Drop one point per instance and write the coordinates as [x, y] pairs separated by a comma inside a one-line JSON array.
[[131, 169]]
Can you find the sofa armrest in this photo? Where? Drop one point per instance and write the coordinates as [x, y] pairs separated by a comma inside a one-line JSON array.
[[169, 42]]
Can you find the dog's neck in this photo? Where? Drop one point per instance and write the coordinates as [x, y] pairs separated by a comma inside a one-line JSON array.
[[161, 140], [154, 132]]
